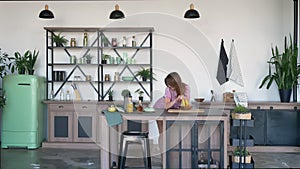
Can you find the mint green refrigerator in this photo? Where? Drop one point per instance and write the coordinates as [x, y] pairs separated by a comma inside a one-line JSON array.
[[23, 113]]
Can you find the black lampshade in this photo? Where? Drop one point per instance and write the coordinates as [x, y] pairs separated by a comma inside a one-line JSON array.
[[191, 13], [46, 14], [116, 14]]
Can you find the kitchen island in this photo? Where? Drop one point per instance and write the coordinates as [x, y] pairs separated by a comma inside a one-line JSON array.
[[187, 137]]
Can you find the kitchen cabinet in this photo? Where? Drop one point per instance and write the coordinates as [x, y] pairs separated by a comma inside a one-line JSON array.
[[66, 64], [70, 122]]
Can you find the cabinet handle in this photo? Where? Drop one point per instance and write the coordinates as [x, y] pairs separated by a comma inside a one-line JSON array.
[[61, 106]]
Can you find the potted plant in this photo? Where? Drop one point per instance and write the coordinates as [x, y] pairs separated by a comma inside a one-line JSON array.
[[88, 58], [240, 152], [21, 62], [140, 92], [32, 57], [59, 40], [105, 57], [110, 95], [105, 41], [286, 70], [241, 112], [145, 74], [5, 65]]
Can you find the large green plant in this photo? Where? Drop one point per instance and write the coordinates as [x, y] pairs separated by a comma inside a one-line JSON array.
[[286, 71]]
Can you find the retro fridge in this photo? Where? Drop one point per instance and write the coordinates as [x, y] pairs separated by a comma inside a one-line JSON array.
[[23, 112]]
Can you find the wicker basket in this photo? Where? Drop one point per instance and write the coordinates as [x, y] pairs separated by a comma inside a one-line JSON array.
[[244, 116]]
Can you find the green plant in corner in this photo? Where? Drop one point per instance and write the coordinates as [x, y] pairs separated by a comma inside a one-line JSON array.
[[59, 40], [285, 72], [145, 74], [32, 57]]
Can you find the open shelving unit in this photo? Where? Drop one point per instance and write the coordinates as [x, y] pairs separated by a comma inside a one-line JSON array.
[[58, 59]]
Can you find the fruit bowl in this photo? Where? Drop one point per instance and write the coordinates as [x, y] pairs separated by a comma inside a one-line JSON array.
[[200, 99]]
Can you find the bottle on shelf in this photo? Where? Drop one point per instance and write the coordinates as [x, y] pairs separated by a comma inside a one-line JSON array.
[[129, 107], [61, 95], [133, 42], [114, 42], [117, 76], [125, 58], [85, 39], [73, 42], [124, 41]]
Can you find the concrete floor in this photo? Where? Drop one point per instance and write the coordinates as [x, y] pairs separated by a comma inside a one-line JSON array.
[[89, 159]]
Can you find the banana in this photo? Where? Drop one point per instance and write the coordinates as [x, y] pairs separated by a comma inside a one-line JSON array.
[[187, 102], [183, 103]]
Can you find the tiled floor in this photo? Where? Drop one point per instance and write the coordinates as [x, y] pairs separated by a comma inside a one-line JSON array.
[[89, 159]]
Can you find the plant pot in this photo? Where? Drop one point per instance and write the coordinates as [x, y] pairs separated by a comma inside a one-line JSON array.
[[58, 44], [285, 95], [31, 71], [236, 159], [88, 61], [141, 98], [110, 98], [103, 62], [144, 79], [242, 116], [21, 71]]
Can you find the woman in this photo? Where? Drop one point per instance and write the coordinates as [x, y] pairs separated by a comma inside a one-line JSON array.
[[176, 91]]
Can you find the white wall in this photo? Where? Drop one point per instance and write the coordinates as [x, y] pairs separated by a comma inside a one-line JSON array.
[[190, 47]]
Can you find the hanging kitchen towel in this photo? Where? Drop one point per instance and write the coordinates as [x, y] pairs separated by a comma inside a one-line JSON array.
[[153, 131], [113, 118], [233, 69], [222, 65]]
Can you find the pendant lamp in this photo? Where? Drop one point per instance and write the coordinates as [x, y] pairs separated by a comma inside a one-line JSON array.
[[116, 14], [46, 14], [191, 13]]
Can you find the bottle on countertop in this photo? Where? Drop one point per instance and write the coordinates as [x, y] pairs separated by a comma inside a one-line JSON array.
[[52, 95], [68, 96], [129, 107], [61, 95], [140, 106]]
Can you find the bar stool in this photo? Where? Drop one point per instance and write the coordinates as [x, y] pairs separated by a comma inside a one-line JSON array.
[[137, 137]]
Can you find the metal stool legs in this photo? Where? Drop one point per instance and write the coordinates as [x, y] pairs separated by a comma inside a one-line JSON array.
[[134, 137]]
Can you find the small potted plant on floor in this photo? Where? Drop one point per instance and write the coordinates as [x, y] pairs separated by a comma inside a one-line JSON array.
[[140, 92], [59, 40], [241, 112], [144, 74], [240, 152]]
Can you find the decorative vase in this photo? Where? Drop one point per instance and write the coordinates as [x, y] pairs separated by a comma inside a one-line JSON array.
[[141, 98], [285, 95]]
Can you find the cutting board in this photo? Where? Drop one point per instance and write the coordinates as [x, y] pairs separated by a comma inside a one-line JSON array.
[[186, 111]]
